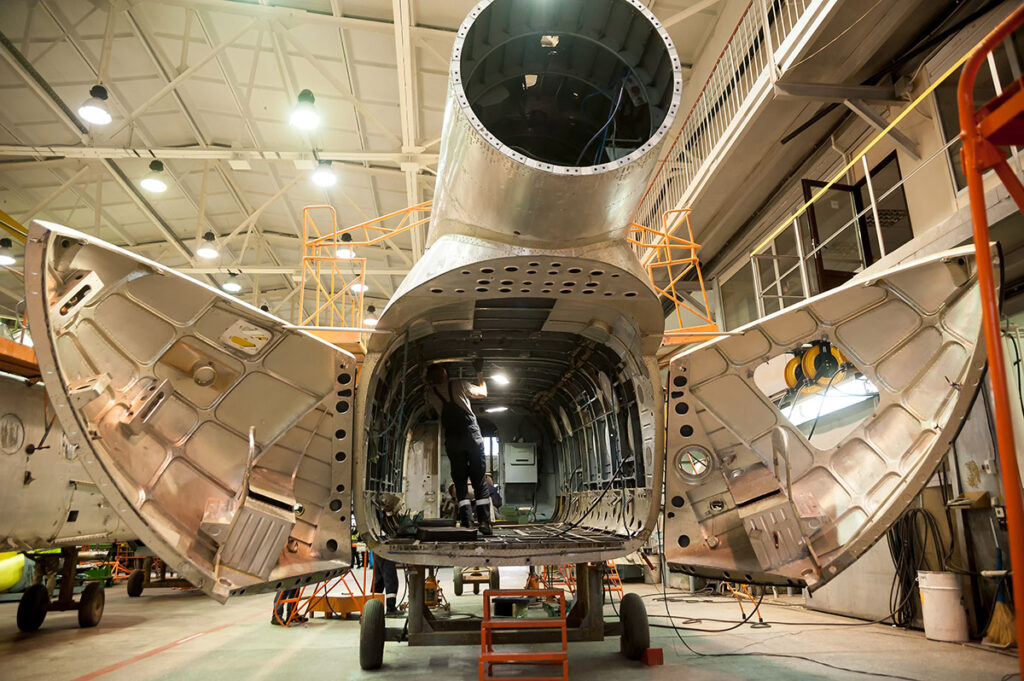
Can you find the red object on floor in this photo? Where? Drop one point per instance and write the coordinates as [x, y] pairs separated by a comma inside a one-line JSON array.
[[653, 657]]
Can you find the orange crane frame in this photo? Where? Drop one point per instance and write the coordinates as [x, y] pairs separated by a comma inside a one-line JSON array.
[[1000, 122]]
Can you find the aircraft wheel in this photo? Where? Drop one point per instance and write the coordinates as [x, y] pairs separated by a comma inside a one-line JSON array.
[[495, 580], [458, 581], [32, 608], [90, 606], [135, 584], [371, 635], [636, 634]]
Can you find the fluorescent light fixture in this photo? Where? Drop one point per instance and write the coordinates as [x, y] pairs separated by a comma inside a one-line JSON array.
[[154, 180], [304, 115], [359, 288], [500, 379], [94, 109], [324, 175], [6, 256], [208, 249], [496, 410]]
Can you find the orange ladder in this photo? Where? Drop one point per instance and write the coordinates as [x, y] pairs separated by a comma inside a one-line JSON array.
[[489, 658], [1000, 123]]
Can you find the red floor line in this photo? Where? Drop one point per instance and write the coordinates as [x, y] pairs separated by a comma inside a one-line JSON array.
[[156, 651]]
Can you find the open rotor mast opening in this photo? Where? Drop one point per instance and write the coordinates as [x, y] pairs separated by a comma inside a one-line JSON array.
[[571, 83]]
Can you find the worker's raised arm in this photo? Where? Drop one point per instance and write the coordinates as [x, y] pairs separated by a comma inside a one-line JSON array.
[[480, 389]]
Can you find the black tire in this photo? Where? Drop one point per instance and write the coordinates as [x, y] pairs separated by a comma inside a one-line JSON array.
[[636, 634], [495, 579], [371, 635], [458, 581], [136, 582], [90, 605], [32, 608]]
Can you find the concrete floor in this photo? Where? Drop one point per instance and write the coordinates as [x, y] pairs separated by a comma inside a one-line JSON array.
[[169, 634]]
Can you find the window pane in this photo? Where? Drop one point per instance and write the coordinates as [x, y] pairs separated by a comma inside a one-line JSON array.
[[738, 302], [892, 210]]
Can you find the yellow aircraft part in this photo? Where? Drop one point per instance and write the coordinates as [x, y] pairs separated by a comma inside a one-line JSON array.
[[12, 564]]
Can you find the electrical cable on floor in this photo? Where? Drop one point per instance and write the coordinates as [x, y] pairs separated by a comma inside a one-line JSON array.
[[676, 629]]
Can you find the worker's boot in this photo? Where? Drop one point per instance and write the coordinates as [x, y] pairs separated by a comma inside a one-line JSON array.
[[466, 516], [483, 519], [391, 610]]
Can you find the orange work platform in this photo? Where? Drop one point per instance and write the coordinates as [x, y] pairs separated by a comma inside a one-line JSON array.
[[489, 658], [18, 359], [1000, 123]]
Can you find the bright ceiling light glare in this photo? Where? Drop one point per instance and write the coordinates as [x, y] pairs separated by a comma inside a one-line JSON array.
[[496, 410], [345, 252], [324, 175], [231, 286], [6, 255], [500, 379], [359, 288], [154, 179], [370, 319], [304, 115], [208, 249], [94, 109]]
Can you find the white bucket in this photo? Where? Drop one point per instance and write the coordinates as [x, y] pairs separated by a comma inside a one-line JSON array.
[[941, 606]]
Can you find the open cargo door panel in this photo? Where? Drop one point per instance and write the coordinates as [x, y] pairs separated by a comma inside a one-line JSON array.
[[794, 444], [216, 431]]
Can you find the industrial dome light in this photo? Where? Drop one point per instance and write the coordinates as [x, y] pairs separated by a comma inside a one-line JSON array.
[[94, 109], [304, 115], [359, 288], [6, 256], [324, 175], [208, 249], [154, 179], [231, 286], [371, 317], [345, 252]]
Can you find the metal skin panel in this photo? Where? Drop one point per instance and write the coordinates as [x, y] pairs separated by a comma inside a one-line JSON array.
[[217, 433], [822, 508], [46, 498]]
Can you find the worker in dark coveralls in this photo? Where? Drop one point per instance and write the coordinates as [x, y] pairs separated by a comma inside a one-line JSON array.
[[462, 440], [385, 581]]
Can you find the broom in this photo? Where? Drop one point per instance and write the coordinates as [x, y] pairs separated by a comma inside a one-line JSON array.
[[1002, 631]]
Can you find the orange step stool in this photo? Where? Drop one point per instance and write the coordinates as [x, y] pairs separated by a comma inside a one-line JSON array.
[[489, 658]]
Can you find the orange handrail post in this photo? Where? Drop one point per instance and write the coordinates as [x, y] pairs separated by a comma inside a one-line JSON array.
[[980, 154]]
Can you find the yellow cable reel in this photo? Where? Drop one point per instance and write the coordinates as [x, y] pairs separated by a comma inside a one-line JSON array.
[[823, 363]]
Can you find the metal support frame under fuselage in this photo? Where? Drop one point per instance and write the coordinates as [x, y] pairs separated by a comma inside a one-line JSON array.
[[584, 620]]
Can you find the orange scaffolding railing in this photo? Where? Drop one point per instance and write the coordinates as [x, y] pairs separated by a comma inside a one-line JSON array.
[[336, 274], [669, 257], [1000, 123]]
